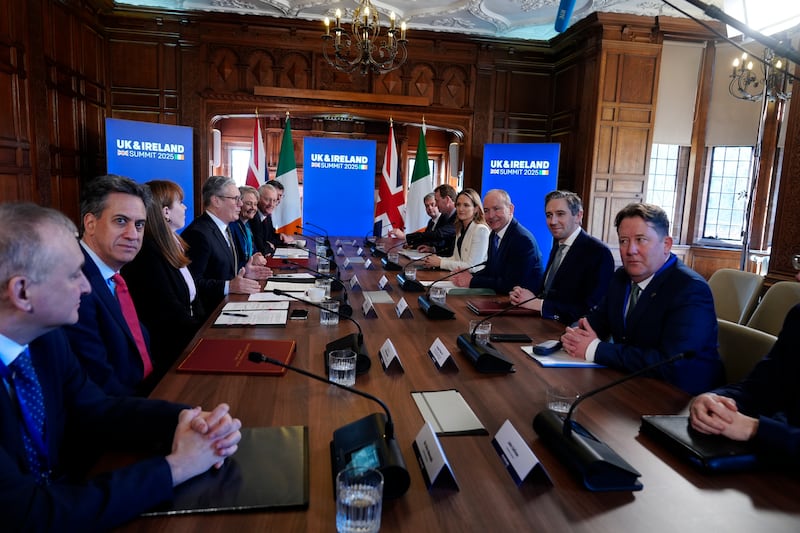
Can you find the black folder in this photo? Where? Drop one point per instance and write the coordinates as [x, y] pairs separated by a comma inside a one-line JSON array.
[[269, 471], [713, 453]]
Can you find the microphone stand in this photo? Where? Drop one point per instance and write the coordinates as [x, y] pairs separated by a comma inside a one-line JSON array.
[[353, 341], [374, 433], [598, 466], [486, 358], [434, 310], [390, 265]]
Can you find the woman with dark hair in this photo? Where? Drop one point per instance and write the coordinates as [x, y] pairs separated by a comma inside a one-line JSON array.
[[472, 235], [159, 281]]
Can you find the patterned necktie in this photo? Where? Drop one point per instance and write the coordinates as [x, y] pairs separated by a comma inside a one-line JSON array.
[[551, 273], [233, 250], [132, 319], [635, 291], [31, 406]]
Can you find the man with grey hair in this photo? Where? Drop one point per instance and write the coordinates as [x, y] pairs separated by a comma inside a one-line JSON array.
[[579, 268], [51, 413], [109, 340], [215, 266]]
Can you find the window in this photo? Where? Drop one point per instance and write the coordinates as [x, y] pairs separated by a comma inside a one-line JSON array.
[[729, 183], [663, 179], [240, 162], [431, 166]]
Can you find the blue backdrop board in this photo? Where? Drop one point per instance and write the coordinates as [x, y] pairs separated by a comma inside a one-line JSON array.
[[145, 151], [339, 185], [528, 172]]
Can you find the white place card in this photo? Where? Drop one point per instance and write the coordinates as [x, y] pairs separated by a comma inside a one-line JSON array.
[[402, 309], [383, 283], [389, 356], [518, 458], [340, 251], [440, 355], [368, 264], [354, 283], [436, 470], [360, 251], [369, 309], [346, 265]]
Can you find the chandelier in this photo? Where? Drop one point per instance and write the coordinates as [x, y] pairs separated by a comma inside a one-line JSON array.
[[364, 48], [747, 85]]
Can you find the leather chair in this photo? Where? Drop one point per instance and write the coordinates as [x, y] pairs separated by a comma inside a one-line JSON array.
[[735, 293], [740, 348], [772, 310]]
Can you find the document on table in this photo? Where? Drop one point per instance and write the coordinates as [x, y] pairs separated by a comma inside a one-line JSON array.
[[559, 359], [448, 412], [289, 286]]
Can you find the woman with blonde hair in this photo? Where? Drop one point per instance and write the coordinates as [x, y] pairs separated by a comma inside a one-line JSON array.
[[161, 286], [472, 235]]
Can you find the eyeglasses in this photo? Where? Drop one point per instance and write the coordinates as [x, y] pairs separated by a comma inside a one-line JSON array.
[[236, 199]]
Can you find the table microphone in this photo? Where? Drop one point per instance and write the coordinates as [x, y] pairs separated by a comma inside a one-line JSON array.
[[336, 285], [598, 466], [373, 434], [437, 311], [486, 357], [411, 285], [354, 341]]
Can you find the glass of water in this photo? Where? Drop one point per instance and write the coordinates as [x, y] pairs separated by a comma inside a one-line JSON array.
[[481, 329], [328, 315], [438, 295], [560, 399], [342, 367], [323, 266], [325, 285], [411, 273], [359, 499]]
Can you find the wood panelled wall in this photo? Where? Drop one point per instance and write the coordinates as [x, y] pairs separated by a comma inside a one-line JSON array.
[[67, 64]]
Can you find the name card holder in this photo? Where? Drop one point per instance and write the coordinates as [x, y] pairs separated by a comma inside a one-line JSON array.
[[360, 251], [369, 309], [355, 285], [519, 460], [440, 355], [346, 264], [368, 264], [402, 309], [389, 357], [383, 284], [340, 251], [436, 470]]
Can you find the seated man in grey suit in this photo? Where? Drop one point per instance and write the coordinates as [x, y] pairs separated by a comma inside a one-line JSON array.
[[514, 256], [215, 267], [579, 268]]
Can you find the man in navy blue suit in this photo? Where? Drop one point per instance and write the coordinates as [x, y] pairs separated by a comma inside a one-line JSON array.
[[579, 268], [113, 347], [655, 308], [440, 238], [50, 411], [216, 268], [514, 256]]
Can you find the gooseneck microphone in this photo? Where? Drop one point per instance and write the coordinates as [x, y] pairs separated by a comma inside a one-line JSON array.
[[486, 357], [411, 285], [389, 265], [598, 466], [435, 310], [374, 434], [354, 341]]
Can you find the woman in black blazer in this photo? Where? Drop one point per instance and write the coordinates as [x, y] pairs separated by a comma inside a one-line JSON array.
[[161, 286]]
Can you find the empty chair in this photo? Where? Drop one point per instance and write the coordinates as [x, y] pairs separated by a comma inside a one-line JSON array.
[[735, 293], [774, 306], [740, 348]]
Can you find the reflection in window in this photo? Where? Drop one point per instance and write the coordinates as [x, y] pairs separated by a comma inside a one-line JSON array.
[[727, 193], [662, 180]]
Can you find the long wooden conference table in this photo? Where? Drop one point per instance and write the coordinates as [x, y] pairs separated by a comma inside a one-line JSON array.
[[676, 497]]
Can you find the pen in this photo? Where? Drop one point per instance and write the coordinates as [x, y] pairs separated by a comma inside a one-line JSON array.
[[234, 314]]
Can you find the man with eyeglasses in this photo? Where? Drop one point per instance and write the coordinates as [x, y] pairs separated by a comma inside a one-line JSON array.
[[215, 266]]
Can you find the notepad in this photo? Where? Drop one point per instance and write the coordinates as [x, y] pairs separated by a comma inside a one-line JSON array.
[[244, 314], [448, 413], [559, 359]]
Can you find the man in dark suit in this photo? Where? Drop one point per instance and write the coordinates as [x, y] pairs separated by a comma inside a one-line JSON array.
[[215, 267], [579, 268], [442, 238], [429, 200], [265, 237], [109, 340], [50, 410], [655, 308], [514, 256]]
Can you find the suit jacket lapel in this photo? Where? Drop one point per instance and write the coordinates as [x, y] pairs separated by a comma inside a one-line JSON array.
[[103, 294]]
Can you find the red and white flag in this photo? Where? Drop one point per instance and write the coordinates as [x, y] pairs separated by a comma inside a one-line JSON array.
[[256, 171], [390, 205]]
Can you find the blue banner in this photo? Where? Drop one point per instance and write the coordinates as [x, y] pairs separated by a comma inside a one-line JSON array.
[[339, 185], [527, 172], [145, 151]]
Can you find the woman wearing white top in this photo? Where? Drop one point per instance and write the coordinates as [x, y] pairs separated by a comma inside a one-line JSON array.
[[472, 235]]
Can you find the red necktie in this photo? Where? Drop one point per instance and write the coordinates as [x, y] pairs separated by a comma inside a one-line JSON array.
[[129, 312]]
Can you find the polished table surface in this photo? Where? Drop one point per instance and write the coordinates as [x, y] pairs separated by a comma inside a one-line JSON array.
[[676, 497]]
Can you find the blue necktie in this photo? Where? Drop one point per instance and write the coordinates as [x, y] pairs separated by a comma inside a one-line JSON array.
[[495, 242], [31, 406]]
